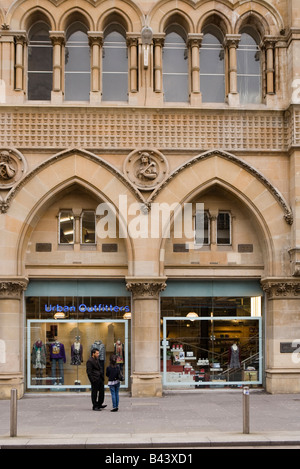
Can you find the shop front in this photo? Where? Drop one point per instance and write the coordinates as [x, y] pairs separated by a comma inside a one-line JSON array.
[[212, 334], [64, 321]]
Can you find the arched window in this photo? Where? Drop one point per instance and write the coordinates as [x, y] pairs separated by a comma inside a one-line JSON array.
[[115, 65], [40, 62], [77, 64], [175, 66], [249, 68], [212, 70]]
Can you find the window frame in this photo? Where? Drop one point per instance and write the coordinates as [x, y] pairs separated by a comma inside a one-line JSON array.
[[85, 211], [224, 212], [60, 242]]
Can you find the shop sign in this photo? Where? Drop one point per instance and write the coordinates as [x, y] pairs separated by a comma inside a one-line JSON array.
[[84, 308]]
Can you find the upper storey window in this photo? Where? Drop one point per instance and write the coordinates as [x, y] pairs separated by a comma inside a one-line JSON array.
[[212, 71], [249, 69], [77, 64], [39, 62], [175, 67], [115, 65]]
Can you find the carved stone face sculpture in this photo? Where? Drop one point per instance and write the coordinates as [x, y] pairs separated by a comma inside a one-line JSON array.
[[146, 168], [12, 167], [7, 166]]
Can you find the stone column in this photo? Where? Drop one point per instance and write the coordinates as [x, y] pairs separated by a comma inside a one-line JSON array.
[[269, 44], [11, 336], [282, 332], [194, 43], [145, 322], [158, 43], [133, 45], [58, 42], [232, 42], [20, 40], [96, 44]]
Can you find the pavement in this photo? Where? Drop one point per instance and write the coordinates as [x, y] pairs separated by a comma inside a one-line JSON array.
[[202, 418]]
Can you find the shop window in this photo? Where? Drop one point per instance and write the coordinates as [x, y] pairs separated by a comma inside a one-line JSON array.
[[202, 228], [66, 227], [249, 68], [175, 66], [224, 228], [212, 73], [77, 64], [88, 227], [115, 65], [40, 62]]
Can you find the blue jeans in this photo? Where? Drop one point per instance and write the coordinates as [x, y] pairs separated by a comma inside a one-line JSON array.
[[60, 363], [114, 391]]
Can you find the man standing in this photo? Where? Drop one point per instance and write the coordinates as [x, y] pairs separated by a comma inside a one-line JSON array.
[[96, 377]]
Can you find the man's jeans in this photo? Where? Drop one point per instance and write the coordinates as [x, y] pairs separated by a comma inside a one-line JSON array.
[[114, 390]]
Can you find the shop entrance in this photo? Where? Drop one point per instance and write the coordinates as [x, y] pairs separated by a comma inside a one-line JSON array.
[[211, 342]]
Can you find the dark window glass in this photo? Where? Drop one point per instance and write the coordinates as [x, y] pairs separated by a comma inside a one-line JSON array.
[[224, 228], [212, 75], [175, 68], [202, 228], [249, 70], [88, 227], [77, 64], [40, 62], [115, 67]]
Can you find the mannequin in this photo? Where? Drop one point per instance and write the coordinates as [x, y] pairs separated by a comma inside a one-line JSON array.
[[234, 356], [57, 357], [76, 352], [119, 352], [38, 359], [98, 344]]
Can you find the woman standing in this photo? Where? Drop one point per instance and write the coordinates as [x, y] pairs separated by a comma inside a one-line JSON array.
[[113, 374]]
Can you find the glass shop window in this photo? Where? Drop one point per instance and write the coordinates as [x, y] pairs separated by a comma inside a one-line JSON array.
[[40, 63], [212, 72], [77, 64], [115, 65], [249, 69], [88, 227], [175, 67], [66, 227], [224, 228]]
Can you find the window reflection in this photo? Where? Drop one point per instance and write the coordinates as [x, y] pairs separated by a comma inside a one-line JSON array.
[[249, 69], [212, 74], [77, 64], [39, 63], [88, 234], [175, 67], [66, 227], [115, 65]]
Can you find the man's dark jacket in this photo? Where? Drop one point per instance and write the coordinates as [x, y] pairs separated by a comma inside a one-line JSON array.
[[94, 370]]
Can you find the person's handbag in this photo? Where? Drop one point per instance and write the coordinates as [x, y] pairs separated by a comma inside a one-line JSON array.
[[120, 375]]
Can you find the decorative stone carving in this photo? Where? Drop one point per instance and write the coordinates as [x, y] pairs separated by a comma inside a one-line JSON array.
[[12, 167], [146, 288], [12, 289], [281, 288], [146, 168]]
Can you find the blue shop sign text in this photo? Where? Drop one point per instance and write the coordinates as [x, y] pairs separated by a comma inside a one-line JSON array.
[[84, 308]]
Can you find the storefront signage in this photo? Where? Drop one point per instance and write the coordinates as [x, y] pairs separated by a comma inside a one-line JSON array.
[[84, 308]]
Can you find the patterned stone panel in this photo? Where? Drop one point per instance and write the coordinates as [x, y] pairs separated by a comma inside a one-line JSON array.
[[131, 128]]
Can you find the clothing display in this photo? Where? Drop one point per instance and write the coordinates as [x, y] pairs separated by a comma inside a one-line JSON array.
[[98, 344], [119, 352], [76, 353], [234, 357], [38, 355], [58, 358]]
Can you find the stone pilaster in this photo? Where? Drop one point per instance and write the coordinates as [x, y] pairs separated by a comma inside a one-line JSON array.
[[146, 377], [11, 336]]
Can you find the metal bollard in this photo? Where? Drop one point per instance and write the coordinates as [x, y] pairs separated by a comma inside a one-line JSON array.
[[13, 412], [246, 413]]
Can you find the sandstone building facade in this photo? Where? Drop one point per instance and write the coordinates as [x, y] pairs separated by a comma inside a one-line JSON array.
[[129, 107]]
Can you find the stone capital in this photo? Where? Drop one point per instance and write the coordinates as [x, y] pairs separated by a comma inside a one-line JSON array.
[[277, 288], [12, 288], [146, 287]]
